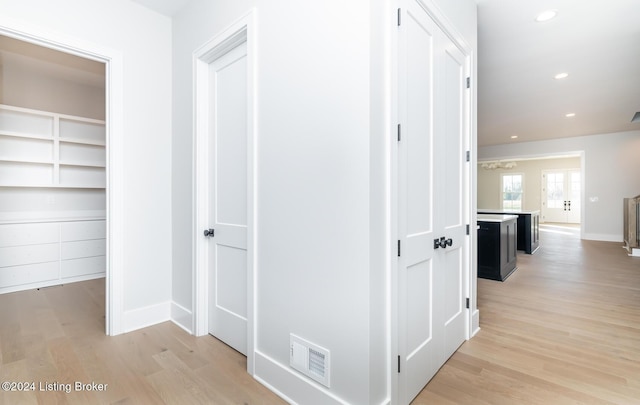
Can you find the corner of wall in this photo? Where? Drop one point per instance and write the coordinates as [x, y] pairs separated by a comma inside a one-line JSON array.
[[182, 317], [146, 316]]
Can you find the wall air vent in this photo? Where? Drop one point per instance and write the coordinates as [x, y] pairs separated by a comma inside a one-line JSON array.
[[309, 359], [636, 117]]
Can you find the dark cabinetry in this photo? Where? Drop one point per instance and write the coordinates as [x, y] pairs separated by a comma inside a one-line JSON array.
[[497, 243], [528, 228]]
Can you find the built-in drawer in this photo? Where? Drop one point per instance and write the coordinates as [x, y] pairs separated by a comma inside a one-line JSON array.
[[20, 255], [83, 230], [83, 248], [83, 267], [30, 273], [28, 234]]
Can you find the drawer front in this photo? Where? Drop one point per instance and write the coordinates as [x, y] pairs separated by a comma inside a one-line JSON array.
[[84, 248], [83, 267], [28, 234], [83, 230], [31, 273], [21, 255]]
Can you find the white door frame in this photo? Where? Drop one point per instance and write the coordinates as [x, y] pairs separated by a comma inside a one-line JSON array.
[[237, 33], [114, 140]]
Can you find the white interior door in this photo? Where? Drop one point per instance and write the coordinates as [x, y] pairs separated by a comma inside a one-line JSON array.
[[418, 347], [450, 174], [431, 314], [561, 196], [227, 196]]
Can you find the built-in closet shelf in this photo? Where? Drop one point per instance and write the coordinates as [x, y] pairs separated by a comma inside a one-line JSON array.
[[102, 165], [45, 149], [82, 141], [29, 161], [28, 136]]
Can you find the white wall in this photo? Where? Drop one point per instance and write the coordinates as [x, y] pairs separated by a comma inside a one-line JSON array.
[[611, 168], [323, 129], [313, 182], [32, 83], [144, 40]]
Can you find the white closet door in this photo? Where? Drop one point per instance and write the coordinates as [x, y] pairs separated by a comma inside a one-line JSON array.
[[418, 347], [450, 275], [228, 198], [431, 292]]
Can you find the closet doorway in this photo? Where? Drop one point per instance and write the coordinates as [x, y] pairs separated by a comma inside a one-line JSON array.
[[53, 167]]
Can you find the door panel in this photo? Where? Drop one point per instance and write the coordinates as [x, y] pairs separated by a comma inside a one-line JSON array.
[[415, 221], [418, 127], [230, 265], [230, 147], [419, 309], [228, 198]]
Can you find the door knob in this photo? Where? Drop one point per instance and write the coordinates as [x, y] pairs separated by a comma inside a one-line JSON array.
[[449, 242], [209, 232], [443, 242], [436, 243]]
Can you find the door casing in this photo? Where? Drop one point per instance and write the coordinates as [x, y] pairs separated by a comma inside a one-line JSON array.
[[113, 60], [243, 30]]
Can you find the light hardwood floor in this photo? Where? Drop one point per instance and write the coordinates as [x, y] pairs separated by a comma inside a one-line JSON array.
[[56, 335], [563, 329]]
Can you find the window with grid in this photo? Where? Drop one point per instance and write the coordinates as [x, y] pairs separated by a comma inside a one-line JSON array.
[[512, 191]]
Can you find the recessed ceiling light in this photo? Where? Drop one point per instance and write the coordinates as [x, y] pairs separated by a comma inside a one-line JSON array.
[[570, 115], [514, 136], [546, 15], [562, 75]]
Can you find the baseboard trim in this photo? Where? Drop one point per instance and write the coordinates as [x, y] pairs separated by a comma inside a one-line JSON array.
[[275, 376], [475, 323], [603, 237], [182, 317], [146, 316]]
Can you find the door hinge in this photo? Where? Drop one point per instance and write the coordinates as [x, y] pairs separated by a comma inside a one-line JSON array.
[[399, 132], [398, 248], [398, 364], [468, 82], [467, 303], [399, 17], [468, 156], [468, 229]]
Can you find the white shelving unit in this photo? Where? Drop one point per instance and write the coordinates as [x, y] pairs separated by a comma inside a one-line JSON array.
[[58, 154], [43, 149]]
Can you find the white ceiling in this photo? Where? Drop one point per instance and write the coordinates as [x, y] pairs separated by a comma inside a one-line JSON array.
[[166, 7], [597, 42]]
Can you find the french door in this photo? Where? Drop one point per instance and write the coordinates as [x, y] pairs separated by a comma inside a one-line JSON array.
[[561, 196]]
